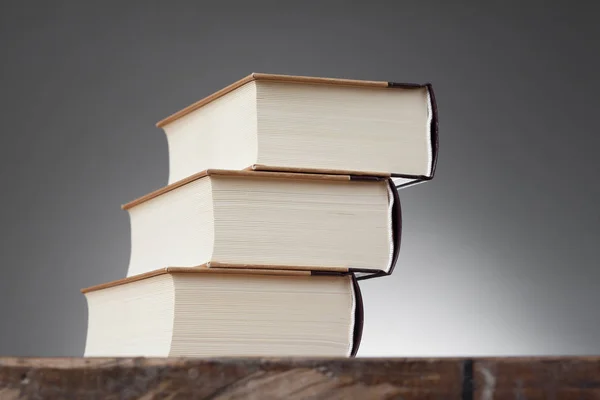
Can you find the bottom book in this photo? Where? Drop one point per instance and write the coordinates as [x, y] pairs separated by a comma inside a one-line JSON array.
[[201, 312]]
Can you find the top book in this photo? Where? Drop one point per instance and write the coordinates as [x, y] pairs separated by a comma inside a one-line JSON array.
[[307, 124]]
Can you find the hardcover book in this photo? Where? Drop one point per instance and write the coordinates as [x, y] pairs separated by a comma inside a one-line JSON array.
[[249, 219], [200, 312], [307, 124]]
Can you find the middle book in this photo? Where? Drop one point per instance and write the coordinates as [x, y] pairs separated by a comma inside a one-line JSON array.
[[247, 219]]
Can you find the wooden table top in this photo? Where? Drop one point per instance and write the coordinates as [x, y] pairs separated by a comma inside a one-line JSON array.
[[296, 378]]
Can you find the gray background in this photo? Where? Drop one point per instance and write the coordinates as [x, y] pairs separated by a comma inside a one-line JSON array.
[[500, 251]]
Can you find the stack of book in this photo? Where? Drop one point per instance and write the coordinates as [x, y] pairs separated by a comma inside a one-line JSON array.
[[282, 195]]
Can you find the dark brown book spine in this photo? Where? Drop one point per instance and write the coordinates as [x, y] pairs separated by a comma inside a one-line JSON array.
[[396, 225], [434, 129], [358, 317]]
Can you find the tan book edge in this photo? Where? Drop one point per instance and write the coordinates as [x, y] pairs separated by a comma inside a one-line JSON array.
[[204, 268], [248, 173], [269, 77], [266, 168], [278, 268]]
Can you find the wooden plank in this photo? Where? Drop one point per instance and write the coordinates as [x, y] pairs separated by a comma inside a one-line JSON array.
[[256, 378], [537, 378], [229, 379]]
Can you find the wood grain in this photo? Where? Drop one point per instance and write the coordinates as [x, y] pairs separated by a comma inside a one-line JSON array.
[[230, 379], [537, 378], [268, 77], [297, 378]]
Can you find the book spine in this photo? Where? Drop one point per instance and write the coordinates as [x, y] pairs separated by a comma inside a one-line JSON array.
[[358, 317], [433, 129], [396, 225], [329, 273], [369, 178], [406, 85]]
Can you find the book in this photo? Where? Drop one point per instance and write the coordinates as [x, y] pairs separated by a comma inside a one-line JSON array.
[[308, 124], [196, 312], [282, 195], [268, 220]]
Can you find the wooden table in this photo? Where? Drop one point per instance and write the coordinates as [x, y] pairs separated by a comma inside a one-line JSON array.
[[360, 378]]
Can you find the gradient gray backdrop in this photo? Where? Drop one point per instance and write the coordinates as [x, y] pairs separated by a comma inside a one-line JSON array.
[[500, 251]]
